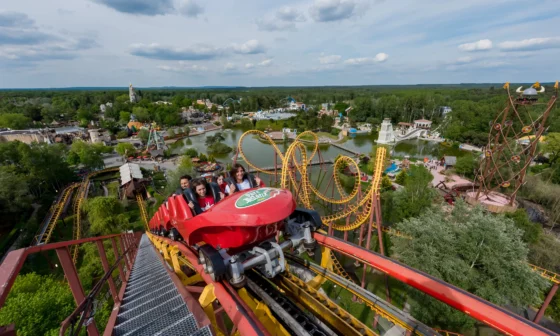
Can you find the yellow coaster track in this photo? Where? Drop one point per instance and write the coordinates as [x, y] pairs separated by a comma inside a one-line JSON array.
[[362, 208]]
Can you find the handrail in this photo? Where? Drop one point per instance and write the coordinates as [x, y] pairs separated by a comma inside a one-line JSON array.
[[478, 308], [14, 261], [83, 309]]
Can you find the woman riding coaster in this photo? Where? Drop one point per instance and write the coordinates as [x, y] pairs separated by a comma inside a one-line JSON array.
[[239, 180], [205, 201]]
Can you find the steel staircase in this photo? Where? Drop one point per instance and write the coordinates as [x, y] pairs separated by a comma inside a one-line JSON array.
[[152, 304]]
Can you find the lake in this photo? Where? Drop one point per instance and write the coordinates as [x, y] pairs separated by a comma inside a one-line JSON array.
[[261, 153]]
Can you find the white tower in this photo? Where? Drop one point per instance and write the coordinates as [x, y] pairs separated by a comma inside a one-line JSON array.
[[386, 135], [131, 94]]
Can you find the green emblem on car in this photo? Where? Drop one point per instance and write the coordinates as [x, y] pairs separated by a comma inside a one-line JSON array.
[[255, 197]]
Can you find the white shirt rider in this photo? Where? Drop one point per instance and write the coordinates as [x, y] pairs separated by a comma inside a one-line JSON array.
[[240, 186]]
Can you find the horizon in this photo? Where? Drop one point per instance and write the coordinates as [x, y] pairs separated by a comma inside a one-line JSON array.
[[262, 87]]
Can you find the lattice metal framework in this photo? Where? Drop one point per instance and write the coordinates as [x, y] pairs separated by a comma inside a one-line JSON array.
[[512, 140]]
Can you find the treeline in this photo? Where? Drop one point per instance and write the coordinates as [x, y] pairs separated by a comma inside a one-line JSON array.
[[474, 107]]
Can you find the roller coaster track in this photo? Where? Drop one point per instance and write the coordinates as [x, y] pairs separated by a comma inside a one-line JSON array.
[[142, 207], [83, 193], [338, 268], [53, 215], [553, 277], [362, 209], [332, 314]]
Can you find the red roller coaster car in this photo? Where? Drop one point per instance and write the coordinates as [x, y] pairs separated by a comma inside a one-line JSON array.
[[238, 232]]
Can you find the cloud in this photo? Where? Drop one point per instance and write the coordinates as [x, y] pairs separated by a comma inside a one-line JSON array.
[[249, 66], [249, 47], [330, 59], [183, 67], [139, 7], [23, 36], [537, 43], [266, 62], [230, 66], [193, 53], [14, 19], [476, 46], [283, 19], [271, 24], [290, 14], [190, 8], [333, 10], [379, 58], [63, 50]]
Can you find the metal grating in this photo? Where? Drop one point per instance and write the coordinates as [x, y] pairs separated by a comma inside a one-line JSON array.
[[152, 304]]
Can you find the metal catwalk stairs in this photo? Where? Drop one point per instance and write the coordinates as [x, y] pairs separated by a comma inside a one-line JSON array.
[[152, 304]]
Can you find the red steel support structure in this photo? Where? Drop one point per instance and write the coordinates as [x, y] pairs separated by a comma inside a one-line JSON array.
[[546, 302], [14, 261], [479, 309]]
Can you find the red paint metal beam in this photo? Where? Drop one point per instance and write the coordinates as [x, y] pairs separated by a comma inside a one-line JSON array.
[[11, 266], [479, 309], [74, 282], [546, 302], [105, 264]]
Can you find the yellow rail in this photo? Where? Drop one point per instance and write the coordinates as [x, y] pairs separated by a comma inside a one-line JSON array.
[[546, 274], [78, 204], [291, 166], [57, 211], [142, 208], [339, 269]]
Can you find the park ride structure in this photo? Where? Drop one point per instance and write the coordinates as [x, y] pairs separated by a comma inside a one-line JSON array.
[[157, 299], [75, 193], [505, 162]]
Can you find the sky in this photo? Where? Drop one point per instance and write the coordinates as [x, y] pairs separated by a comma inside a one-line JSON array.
[[151, 43]]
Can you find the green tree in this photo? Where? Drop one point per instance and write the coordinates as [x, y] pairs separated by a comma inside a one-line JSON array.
[[478, 252], [170, 133], [144, 135], [401, 177], [105, 215], [14, 121], [36, 305], [124, 116], [246, 124], [386, 183], [552, 147], [219, 148], [14, 191], [89, 155], [466, 165], [141, 113], [84, 114], [545, 252], [122, 134], [191, 152], [187, 130], [125, 148], [531, 231]]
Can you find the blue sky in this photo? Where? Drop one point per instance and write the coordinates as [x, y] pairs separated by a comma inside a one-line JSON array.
[[62, 43]]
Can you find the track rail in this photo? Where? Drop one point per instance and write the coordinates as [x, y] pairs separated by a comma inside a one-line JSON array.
[[479, 309], [379, 306], [55, 212]]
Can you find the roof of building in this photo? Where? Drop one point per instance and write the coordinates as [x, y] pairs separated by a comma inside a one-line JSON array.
[[129, 171], [450, 160], [405, 124], [422, 121]]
